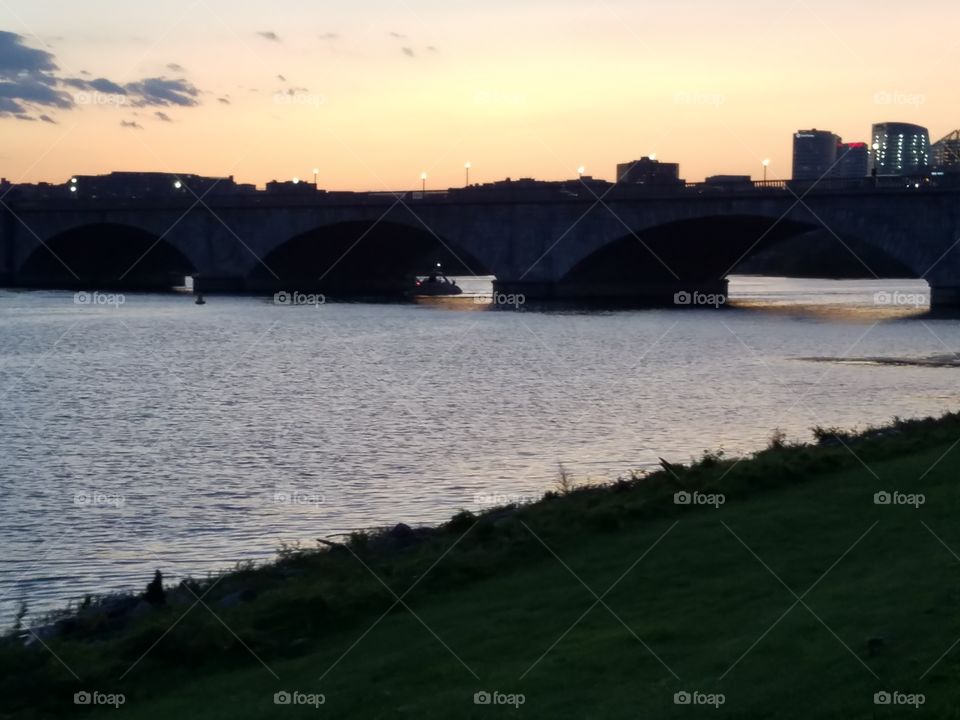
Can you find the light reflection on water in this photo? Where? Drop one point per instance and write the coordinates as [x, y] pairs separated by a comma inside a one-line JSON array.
[[201, 436]]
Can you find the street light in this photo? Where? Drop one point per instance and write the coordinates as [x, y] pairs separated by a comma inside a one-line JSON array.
[[316, 174], [580, 171], [178, 185], [467, 168], [766, 164], [423, 181], [296, 181]]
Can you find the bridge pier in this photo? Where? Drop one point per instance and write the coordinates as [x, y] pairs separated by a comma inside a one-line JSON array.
[[700, 293], [944, 297]]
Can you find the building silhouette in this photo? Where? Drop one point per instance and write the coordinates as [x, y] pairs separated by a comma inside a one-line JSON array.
[[853, 160], [901, 149], [814, 153], [649, 171], [945, 154]]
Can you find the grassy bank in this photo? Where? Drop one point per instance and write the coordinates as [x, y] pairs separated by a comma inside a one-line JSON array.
[[790, 594]]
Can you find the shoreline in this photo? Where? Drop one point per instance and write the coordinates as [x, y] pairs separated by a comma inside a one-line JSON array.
[[118, 603], [317, 600], [823, 438]]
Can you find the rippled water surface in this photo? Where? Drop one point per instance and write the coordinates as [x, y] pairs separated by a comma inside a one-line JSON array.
[[160, 434]]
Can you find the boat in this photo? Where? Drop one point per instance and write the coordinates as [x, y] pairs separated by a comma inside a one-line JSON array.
[[436, 284]]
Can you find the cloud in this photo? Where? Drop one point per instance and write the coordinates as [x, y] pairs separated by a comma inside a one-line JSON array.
[[431, 48], [31, 83], [132, 124], [163, 92], [409, 52], [163, 116], [281, 78], [16, 96], [399, 36], [329, 36], [98, 85], [176, 67], [269, 35], [224, 101], [16, 58]]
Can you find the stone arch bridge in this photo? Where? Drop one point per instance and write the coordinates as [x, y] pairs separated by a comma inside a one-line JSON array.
[[632, 244]]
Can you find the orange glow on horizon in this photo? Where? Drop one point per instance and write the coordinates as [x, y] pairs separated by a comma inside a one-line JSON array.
[[373, 96]]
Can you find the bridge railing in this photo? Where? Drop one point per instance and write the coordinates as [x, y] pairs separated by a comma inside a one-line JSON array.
[[503, 192]]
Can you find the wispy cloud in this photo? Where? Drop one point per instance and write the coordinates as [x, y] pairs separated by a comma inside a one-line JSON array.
[[269, 35], [162, 116], [161, 91], [132, 124]]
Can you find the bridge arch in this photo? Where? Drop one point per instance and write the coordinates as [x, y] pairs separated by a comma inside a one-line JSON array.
[[360, 258], [105, 255], [703, 251]]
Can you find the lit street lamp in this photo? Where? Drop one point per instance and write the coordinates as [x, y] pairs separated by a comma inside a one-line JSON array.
[[296, 181], [766, 164], [423, 182], [467, 167], [580, 171], [316, 174]]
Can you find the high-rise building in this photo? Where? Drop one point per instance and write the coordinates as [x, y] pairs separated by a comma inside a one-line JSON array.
[[945, 153], [853, 160], [814, 153], [901, 149]]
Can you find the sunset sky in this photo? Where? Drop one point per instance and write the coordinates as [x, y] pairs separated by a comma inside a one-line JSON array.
[[374, 92]]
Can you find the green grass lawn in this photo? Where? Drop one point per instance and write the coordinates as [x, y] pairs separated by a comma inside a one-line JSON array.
[[771, 600]]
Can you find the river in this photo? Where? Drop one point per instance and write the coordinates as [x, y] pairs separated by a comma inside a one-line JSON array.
[[154, 433]]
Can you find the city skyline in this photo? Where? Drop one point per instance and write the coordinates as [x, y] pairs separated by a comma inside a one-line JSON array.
[[374, 99]]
